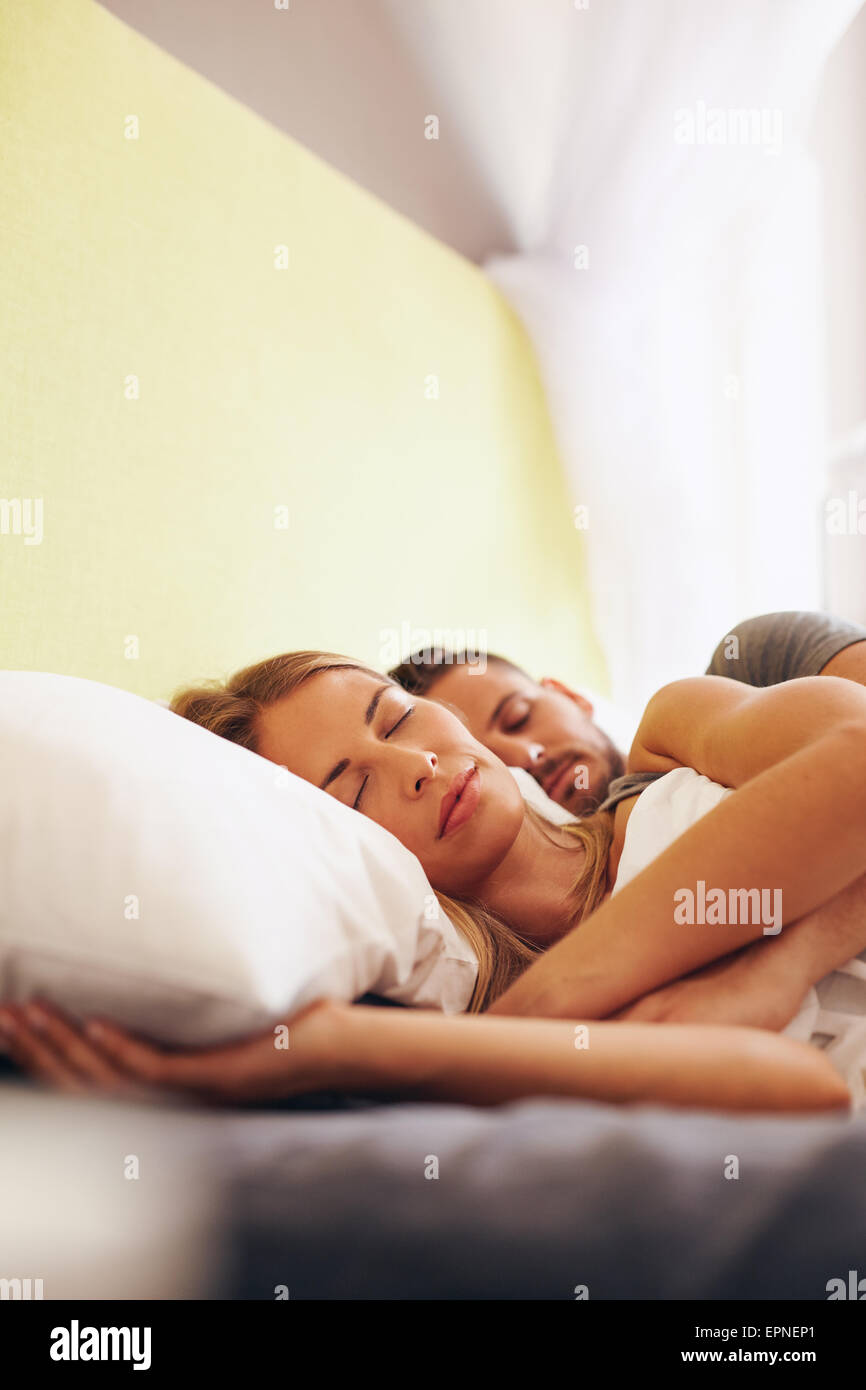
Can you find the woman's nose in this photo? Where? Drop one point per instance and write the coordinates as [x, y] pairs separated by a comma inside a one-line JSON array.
[[536, 753], [425, 771]]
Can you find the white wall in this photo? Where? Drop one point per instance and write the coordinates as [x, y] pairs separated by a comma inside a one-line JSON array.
[[839, 144]]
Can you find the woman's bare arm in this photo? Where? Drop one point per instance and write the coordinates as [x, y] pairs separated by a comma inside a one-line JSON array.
[[485, 1061], [763, 985], [423, 1055]]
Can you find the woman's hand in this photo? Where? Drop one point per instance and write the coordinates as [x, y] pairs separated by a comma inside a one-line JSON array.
[[292, 1057], [753, 988]]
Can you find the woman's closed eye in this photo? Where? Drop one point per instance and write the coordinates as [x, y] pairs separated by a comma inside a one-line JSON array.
[[401, 720], [356, 804]]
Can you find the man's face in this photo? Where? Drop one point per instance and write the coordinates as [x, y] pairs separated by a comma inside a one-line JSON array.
[[542, 727]]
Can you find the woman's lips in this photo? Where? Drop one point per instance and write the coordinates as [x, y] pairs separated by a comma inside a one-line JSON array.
[[460, 801]]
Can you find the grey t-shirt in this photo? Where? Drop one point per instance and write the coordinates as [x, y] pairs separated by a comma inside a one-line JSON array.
[[780, 647], [762, 651]]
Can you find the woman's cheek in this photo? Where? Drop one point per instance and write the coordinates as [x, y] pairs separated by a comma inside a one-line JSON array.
[[407, 836]]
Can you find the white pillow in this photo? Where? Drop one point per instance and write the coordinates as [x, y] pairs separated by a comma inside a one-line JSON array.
[[617, 721], [537, 797], [164, 877]]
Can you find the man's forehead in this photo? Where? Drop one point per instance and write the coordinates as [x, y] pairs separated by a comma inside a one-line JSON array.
[[478, 692]]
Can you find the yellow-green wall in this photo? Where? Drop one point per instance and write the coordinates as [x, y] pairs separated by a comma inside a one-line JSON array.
[[260, 388]]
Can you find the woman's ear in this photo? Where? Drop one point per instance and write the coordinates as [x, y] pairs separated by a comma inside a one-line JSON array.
[[550, 684]]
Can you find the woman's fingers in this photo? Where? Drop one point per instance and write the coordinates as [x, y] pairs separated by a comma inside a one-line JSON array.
[[287, 1059], [206, 1072], [35, 1053], [60, 1033], [99, 1055], [133, 1056], [48, 1044], [291, 1057]]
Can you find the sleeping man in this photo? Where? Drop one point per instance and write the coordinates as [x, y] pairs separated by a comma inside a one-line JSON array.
[[549, 730]]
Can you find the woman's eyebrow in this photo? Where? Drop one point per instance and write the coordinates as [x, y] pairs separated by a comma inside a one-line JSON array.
[[334, 773], [373, 705], [340, 768]]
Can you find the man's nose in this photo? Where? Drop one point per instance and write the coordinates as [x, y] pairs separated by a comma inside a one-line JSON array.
[[517, 752]]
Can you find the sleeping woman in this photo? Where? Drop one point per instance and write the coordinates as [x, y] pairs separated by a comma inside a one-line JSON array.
[[596, 978]]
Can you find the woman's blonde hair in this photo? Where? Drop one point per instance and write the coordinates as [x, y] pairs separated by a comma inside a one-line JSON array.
[[232, 708]]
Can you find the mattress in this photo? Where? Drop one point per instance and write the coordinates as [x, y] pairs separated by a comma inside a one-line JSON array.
[[359, 1200]]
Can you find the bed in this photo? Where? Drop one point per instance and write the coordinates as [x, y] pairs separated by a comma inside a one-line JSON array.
[[337, 1199]]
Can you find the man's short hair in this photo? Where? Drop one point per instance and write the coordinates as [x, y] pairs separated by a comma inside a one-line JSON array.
[[420, 671]]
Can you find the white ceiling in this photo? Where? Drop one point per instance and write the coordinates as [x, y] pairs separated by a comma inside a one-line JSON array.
[[354, 85]]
